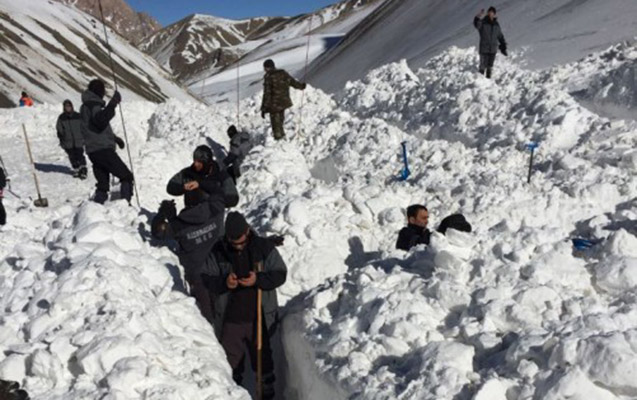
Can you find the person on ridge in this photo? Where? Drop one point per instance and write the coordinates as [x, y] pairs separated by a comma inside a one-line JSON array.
[[100, 141], [416, 231], [239, 266], [490, 36], [201, 178], [69, 131], [25, 100], [240, 146], [276, 96], [3, 183]]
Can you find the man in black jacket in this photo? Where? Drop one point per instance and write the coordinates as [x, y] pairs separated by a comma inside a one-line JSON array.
[[201, 178], [3, 183], [196, 229], [416, 231], [69, 131], [239, 265], [100, 141], [490, 36]]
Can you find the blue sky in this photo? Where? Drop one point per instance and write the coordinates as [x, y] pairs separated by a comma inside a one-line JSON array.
[[169, 11]]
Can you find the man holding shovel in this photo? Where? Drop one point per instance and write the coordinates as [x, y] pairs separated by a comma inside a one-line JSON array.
[[242, 273]]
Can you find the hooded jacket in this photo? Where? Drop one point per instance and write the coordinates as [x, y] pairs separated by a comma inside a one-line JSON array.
[[276, 91], [240, 146], [3, 179], [490, 35], [273, 274], [69, 130], [96, 128], [412, 235]]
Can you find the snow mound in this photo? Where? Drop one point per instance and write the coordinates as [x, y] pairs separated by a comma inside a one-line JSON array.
[[84, 318]]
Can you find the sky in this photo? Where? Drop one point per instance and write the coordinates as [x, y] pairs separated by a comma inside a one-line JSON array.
[[169, 11]]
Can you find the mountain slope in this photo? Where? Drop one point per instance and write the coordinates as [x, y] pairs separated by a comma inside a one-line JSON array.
[[51, 51], [202, 45], [416, 30], [134, 26]]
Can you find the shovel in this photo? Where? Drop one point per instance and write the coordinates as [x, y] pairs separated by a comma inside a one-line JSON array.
[[40, 201]]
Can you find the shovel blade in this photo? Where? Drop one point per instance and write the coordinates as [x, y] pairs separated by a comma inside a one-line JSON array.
[[41, 202]]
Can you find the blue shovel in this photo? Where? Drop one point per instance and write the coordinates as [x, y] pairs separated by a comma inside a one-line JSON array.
[[405, 172]]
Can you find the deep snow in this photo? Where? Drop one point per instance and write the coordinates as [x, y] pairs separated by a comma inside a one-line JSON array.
[[507, 312]]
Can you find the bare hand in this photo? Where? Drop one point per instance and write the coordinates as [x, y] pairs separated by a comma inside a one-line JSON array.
[[190, 186], [481, 13], [250, 281], [232, 281]]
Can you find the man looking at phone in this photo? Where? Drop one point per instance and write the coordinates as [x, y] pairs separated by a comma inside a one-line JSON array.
[[239, 267]]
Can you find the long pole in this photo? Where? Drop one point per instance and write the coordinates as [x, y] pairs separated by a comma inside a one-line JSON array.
[[40, 201], [121, 113], [528, 180], [307, 61], [238, 93], [259, 340]]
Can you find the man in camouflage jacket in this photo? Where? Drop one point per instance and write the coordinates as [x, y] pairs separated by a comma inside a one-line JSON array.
[[276, 96]]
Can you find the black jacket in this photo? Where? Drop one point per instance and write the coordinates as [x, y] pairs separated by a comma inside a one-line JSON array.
[[219, 265], [3, 179], [412, 235], [490, 35], [207, 183]]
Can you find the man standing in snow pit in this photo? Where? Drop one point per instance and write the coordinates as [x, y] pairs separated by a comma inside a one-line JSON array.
[[239, 267], [196, 182], [196, 229], [490, 36], [100, 141], [416, 231], [276, 96], [240, 146], [3, 183], [69, 130]]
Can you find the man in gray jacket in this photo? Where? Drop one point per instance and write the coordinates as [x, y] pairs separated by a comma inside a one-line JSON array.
[[491, 39], [69, 131], [238, 267], [100, 141], [240, 146]]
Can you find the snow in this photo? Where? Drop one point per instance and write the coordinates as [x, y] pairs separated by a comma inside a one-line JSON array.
[[95, 309]]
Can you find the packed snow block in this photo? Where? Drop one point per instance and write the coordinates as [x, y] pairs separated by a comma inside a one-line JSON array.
[[616, 274], [13, 367], [98, 357], [493, 389], [572, 384], [558, 268], [629, 160]]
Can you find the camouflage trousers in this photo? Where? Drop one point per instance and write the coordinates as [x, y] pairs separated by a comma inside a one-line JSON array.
[[277, 119]]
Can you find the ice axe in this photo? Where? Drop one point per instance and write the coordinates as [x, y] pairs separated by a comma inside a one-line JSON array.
[[40, 201], [405, 172]]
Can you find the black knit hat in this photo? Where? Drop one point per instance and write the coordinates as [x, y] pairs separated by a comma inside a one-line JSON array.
[[98, 87], [455, 221], [203, 153], [232, 130], [236, 225], [268, 64], [492, 9], [67, 102]]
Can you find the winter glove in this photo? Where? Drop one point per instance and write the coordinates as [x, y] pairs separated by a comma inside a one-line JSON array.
[[116, 99], [277, 240], [503, 50], [303, 86], [120, 142], [167, 209], [263, 114]]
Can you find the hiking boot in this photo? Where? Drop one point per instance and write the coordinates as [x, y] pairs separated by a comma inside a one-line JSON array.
[[83, 173], [100, 197], [126, 190]]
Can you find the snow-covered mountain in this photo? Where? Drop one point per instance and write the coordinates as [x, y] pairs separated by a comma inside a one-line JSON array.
[[547, 32], [201, 45], [52, 50], [134, 26]]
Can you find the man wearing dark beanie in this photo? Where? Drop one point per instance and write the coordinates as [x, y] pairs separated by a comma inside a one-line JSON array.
[[276, 96], [239, 267], [490, 35], [100, 141]]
